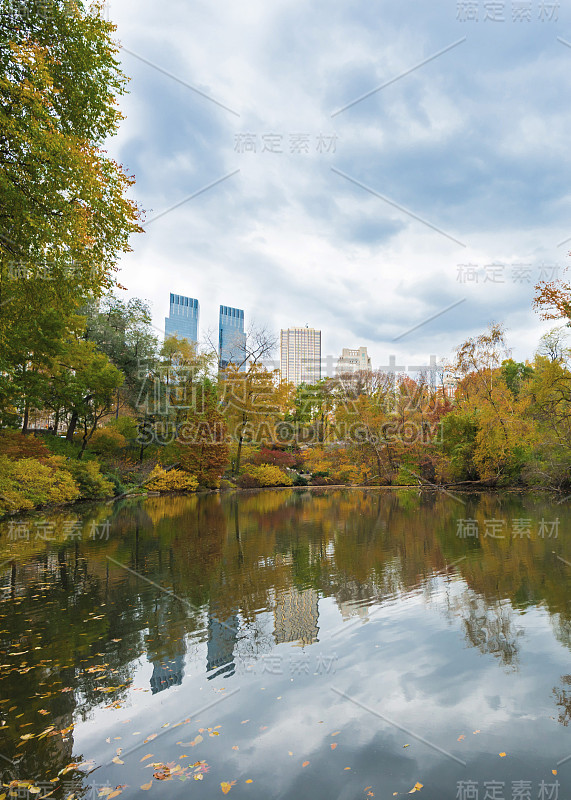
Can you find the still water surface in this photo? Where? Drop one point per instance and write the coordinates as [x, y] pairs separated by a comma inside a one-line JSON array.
[[291, 644]]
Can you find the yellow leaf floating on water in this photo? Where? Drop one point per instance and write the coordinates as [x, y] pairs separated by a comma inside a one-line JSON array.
[[249, 780], [336, 733], [406, 745], [117, 760], [502, 755], [461, 737], [235, 747], [416, 788], [554, 772], [147, 786], [476, 731], [334, 745], [226, 786], [305, 763], [347, 767], [149, 755]]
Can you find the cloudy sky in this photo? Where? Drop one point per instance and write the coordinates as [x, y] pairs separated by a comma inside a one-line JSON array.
[[376, 215]]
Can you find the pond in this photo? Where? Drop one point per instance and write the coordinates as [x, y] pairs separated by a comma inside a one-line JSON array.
[[321, 644]]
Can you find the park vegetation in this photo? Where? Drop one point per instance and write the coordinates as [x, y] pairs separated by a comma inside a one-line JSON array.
[[93, 406]]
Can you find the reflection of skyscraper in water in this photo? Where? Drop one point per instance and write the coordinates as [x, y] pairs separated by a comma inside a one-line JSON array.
[[296, 615], [166, 651], [167, 673], [222, 637]]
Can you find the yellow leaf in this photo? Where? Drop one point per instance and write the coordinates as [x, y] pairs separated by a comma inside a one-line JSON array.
[[502, 755], [336, 733], [305, 763], [333, 746], [347, 768], [554, 772], [461, 737], [226, 786], [235, 747], [149, 755], [117, 760], [114, 794], [416, 788], [406, 745], [147, 786], [248, 780]]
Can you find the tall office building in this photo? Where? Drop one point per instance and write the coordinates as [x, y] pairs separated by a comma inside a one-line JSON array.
[[354, 360], [300, 355], [183, 318], [231, 337]]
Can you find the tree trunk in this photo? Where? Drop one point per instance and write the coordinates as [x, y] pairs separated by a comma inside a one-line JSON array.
[[26, 417], [71, 427]]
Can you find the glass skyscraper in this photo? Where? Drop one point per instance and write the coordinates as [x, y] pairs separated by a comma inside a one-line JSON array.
[[183, 318], [231, 337]]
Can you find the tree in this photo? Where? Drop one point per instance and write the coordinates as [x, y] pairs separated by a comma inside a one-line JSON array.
[[64, 213]]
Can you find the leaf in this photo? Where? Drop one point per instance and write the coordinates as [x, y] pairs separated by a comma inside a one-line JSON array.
[[244, 721], [305, 763], [114, 794], [117, 760], [235, 747], [150, 738], [347, 768], [336, 733], [147, 786], [226, 786], [554, 772], [248, 780], [149, 755], [476, 731], [502, 755], [334, 745], [406, 745], [416, 788], [462, 736]]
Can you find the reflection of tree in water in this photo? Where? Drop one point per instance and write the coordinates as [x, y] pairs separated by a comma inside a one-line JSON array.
[[563, 700], [491, 628]]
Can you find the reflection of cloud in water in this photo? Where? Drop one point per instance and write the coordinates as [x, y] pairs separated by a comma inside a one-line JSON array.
[[221, 643]]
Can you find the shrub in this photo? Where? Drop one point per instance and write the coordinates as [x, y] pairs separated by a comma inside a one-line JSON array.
[[126, 426], [247, 481], [279, 458], [107, 441], [269, 475], [15, 445], [299, 480], [175, 480], [26, 483], [226, 486], [92, 484]]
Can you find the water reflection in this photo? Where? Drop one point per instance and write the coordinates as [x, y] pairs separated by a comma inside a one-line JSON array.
[[248, 578]]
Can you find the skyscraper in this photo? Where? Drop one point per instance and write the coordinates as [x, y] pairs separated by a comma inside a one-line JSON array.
[[300, 355], [183, 318], [231, 337]]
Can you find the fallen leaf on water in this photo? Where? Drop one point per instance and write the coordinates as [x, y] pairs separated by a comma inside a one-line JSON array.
[[502, 755], [149, 755], [198, 777], [406, 745], [305, 763], [336, 733], [235, 747], [289, 753], [114, 794], [416, 788], [226, 786], [334, 745], [150, 738], [462, 736], [554, 772], [477, 731], [347, 768], [117, 760], [147, 786], [249, 780], [244, 721]]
